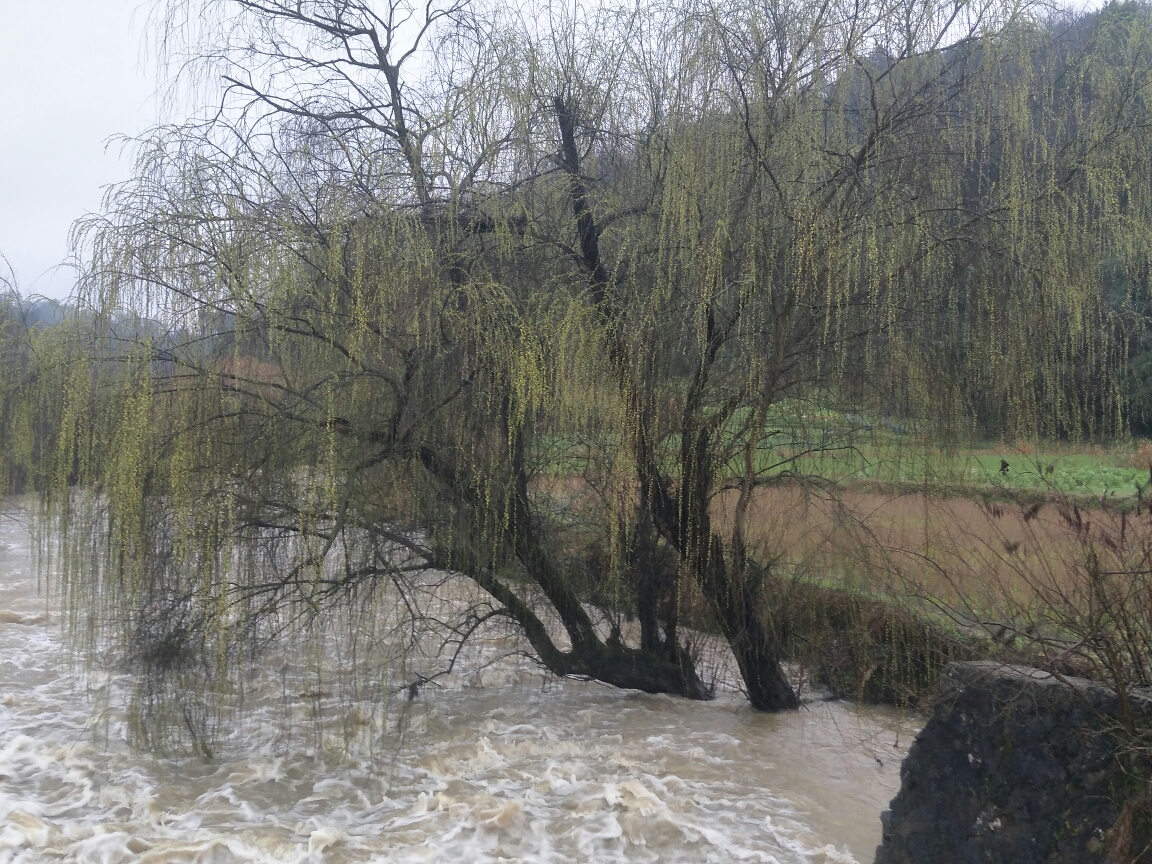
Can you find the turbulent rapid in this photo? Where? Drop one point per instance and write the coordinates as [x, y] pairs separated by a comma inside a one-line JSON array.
[[508, 766]]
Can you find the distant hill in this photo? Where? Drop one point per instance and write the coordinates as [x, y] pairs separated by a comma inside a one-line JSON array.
[[36, 311]]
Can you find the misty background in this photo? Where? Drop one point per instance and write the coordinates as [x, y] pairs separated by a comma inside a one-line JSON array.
[[73, 74]]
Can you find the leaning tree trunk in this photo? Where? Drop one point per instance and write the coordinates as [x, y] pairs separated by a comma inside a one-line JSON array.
[[739, 609], [651, 668], [661, 670], [740, 613]]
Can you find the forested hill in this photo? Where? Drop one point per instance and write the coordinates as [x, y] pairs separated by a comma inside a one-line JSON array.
[[33, 312]]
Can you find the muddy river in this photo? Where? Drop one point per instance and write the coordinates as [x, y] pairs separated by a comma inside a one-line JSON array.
[[512, 768]]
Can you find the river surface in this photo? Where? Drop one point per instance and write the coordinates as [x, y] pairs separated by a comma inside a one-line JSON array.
[[509, 769]]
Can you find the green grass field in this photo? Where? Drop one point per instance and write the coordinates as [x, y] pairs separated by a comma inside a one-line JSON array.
[[849, 450], [852, 449], [1092, 471]]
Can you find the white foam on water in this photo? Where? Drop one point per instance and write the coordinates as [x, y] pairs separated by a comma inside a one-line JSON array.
[[504, 772]]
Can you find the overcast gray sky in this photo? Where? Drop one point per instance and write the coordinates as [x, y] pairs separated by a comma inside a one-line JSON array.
[[72, 74]]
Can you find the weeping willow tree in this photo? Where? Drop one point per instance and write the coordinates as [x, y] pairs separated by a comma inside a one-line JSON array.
[[543, 300], [900, 213]]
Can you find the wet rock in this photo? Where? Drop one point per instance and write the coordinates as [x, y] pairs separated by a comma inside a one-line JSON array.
[[1018, 766]]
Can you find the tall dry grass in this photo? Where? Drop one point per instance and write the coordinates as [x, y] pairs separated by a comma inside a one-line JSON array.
[[892, 586], [974, 559]]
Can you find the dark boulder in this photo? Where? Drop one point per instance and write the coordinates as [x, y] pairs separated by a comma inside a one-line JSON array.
[[1017, 766]]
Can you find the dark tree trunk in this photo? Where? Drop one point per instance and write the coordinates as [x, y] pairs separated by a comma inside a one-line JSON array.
[[664, 670], [613, 664], [756, 649], [734, 606], [640, 670], [740, 611], [652, 584]]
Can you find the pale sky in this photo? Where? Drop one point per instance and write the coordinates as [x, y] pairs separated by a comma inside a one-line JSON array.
[[73, 73]]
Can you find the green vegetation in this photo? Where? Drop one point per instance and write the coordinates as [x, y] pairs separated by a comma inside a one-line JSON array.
[[1092, 472], [848, 456]]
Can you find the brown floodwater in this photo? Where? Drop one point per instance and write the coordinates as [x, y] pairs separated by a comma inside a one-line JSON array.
[[508, 766]]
